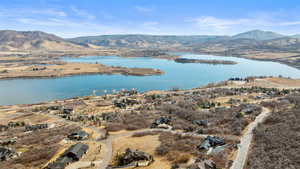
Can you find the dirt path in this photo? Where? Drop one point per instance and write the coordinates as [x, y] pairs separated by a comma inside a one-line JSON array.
[[246, 139]]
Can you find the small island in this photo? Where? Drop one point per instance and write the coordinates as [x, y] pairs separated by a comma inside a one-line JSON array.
[[160, 54], [214, 62]]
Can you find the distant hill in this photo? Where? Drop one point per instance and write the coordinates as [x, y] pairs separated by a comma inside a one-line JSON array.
[[33, 40], [285, 43], [145, 41], [252, 40], [161, 41], [258, 35], [296, 36]]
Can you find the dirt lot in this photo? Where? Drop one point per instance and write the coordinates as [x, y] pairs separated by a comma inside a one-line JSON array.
[[274, 82]]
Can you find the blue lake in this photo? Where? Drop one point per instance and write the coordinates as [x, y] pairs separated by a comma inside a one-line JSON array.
[[23, 91]]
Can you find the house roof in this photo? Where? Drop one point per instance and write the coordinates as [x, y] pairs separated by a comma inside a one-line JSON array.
[[5, 153], [77, 150], [81, 134]]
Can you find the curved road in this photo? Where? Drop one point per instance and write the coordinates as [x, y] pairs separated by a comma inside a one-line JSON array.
[[246, 139]]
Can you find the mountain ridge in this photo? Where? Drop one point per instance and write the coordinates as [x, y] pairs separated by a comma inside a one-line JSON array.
[[33, 40], [38, 40], [258, 35], [143, 40]]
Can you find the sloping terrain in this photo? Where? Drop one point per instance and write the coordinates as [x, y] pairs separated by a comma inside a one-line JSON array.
[[33, 40], [249, 38], [296, 36], [286, 43], [258, 35], [276, 143], [145, 41]]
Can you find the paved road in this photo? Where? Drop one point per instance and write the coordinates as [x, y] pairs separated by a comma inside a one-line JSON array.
[[246, 139]]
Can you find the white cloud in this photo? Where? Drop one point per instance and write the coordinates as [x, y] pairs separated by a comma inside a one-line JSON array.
[[151, 26], [52, 12], [292, 23], [143, 9], [53, 22], [69, 28], [82, 13], [150, 23], [214, 25], [219, 23], [16, 12]]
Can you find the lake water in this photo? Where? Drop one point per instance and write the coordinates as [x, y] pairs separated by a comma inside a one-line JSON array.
[[21, 91]]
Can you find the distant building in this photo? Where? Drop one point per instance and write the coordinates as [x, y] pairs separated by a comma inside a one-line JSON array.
[[79, 135], [6, 153], [35, 127], [61, 163], [74, 153], [3, 128]]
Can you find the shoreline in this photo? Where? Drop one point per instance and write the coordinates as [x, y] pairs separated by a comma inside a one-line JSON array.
[[76, 74], [250, 58]]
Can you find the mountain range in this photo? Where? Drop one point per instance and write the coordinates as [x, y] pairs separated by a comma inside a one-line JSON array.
[[36, 40], [250, 38], [258, 35]]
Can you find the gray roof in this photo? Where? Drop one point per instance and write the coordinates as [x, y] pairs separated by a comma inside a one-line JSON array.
[[77, 150], [79, 135]]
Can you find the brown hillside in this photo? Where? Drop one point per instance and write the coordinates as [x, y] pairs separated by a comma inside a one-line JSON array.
[[33, 40]]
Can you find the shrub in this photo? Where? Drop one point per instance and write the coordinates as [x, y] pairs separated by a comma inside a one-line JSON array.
[[142, 134], [182, 158], [161, 150], [277, 140]]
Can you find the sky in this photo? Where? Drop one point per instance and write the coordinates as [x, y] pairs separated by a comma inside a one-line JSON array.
[[72, 18]]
